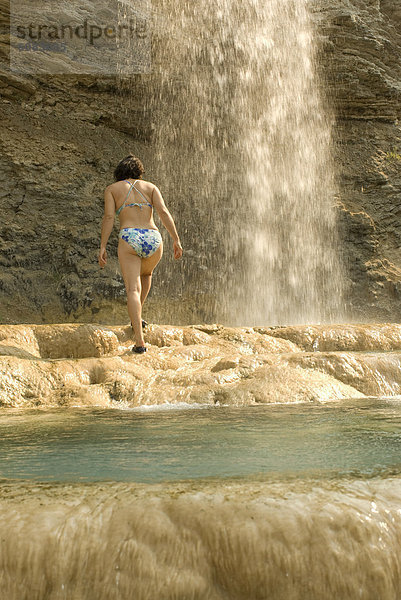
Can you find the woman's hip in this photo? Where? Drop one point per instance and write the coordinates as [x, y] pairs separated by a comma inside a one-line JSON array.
[[144, 242]]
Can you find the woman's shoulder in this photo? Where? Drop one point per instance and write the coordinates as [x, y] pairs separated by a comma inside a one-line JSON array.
[[146, 183], [146, 187], [115, 185]]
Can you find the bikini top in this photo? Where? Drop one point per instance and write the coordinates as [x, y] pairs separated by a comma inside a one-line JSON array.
[[140, 204]]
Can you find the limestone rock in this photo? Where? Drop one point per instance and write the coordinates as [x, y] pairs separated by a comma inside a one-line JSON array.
[[86, 365], [360, 45]]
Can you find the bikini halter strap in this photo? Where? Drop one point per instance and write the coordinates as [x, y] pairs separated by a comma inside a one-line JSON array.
[[132, 185], [139, 191]]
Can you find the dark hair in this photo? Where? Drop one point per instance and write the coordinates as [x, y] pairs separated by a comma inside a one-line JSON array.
[[129, 167]]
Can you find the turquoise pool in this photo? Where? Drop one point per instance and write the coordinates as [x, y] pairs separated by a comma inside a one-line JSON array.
[[357, 438]]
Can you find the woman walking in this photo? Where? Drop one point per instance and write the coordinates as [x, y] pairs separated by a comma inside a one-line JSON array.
[[140, 245]]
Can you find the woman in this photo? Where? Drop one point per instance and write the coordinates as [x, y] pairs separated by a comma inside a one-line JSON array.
[[140, 245]]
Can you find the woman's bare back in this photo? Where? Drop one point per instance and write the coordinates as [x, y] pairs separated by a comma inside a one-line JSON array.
[[137, 213]]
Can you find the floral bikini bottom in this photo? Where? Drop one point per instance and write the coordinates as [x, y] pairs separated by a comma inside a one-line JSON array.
[[145, 242]]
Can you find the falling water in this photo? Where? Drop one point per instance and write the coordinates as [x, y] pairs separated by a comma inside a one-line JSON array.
[[291, 266], [241, 148], [303, 540]]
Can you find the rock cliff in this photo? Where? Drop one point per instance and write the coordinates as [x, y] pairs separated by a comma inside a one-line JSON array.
[[360, 42], [62, 136]]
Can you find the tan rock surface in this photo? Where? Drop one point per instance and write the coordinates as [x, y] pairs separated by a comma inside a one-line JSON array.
[[84, 365], [332, 338]]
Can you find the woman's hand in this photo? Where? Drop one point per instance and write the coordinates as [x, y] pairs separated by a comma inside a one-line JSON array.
[[177, 250], [102, 257]]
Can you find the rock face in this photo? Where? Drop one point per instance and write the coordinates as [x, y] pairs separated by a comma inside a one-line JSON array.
[[361, 67], [86, 365], [62, 136]]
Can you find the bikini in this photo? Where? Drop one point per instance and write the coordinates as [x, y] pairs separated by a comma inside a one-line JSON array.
[[145, 242]]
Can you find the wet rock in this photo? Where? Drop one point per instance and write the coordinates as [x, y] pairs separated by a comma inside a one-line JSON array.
[[225, 364], [358, 61], [162, 336], [355, 338], [79, 365], [209, 328], [77, 342], [372, 374], [175, 536], [285, 384]]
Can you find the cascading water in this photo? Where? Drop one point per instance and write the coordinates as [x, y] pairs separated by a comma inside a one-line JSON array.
[[241, 143], [303, 540], [291, 268]]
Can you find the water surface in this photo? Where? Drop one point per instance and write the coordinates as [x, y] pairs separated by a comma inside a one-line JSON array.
[[360, 439]]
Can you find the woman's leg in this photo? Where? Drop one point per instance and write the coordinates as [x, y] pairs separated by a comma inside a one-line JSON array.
[[130, 264], [146, 282], [147, 267], [134, 269]]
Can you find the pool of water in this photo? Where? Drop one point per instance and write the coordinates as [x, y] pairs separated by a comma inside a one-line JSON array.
[[356, 438]]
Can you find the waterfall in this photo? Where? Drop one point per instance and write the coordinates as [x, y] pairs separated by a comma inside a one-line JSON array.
[[241, 145], [304, 540], [291, 266]]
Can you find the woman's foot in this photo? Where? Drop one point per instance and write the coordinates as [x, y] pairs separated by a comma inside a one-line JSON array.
[[139, 349]]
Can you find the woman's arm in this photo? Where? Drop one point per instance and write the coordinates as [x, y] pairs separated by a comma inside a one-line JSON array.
[[107, 225], [167, 220]]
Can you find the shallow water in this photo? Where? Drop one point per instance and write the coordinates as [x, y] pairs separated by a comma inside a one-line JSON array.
[[78, 445], [286, 502]]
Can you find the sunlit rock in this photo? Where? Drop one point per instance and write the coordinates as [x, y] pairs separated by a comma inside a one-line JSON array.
[[356, 338], [373, 374], [86, 365]]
